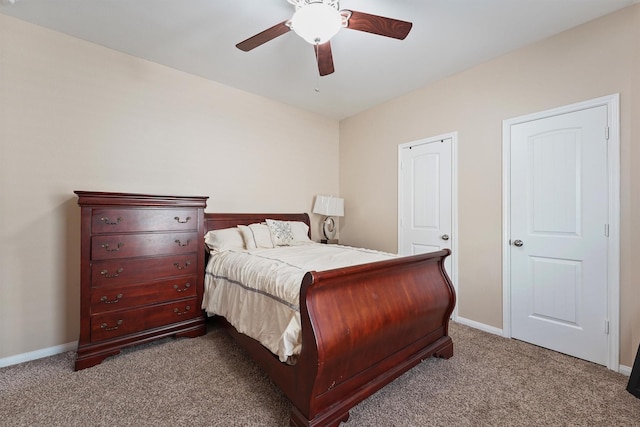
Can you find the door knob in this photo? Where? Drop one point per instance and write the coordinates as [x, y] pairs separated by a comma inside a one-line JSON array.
[[445, 237], [518, 243]]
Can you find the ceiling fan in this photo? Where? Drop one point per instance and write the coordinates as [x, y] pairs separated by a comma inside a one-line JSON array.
[[317, 21]]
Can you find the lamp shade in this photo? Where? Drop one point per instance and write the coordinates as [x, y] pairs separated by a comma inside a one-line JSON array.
[[329, 206]]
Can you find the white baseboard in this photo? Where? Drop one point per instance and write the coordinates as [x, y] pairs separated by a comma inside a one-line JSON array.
[[624, 370], [478, 325], [38, 354]]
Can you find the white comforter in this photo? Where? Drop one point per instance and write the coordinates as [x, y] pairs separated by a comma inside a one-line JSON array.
[[258, 291]]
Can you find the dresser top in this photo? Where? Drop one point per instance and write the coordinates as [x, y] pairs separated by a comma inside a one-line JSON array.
[[133, 199]]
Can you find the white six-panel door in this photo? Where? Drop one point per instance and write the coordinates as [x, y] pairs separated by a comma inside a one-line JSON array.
[[559, 226], [426, 198]]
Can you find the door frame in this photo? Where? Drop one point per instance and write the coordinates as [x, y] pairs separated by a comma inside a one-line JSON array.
[[454, 201], [613, 243]]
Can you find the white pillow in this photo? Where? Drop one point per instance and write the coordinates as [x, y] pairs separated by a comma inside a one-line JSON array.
[[300, 231], [262, 235], [247, 236], [224, 239], [281, 233]]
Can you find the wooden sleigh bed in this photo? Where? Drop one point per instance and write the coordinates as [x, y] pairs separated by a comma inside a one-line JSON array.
[[362, 327]]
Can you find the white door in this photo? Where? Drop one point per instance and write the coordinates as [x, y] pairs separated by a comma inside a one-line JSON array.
[[558, 237], [426, 198]]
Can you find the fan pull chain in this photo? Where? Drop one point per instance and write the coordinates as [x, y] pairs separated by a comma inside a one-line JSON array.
[[315, 47]]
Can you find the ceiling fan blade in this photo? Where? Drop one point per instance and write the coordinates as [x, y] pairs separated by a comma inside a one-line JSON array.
[[380, 25], [324, 58], [263, 37]]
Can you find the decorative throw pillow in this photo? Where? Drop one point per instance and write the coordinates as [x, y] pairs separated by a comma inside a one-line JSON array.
[[281, 233]]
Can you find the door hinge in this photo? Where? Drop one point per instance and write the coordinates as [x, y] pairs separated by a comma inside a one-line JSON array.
[[606, 230], [606, 133], [606, 327]]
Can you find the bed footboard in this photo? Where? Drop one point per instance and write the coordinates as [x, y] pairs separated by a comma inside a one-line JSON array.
[[363, 327]]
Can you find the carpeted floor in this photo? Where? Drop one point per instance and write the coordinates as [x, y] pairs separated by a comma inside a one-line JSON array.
[[209, 381]]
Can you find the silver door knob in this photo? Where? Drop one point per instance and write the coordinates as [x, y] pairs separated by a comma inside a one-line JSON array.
[[518, 243], [445, 237]]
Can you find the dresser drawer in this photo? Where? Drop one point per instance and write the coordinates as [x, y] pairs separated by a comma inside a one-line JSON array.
[[112, 246], [118, 323], [132, 271], [118, 220], [110, 298]]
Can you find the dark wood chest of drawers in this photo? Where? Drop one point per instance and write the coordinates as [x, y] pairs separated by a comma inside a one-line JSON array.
[[142, 271]]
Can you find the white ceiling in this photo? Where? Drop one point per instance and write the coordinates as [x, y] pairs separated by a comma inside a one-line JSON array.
[[199, 37]]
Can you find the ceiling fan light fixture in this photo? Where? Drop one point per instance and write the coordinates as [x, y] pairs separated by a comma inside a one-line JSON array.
[[316, 22]]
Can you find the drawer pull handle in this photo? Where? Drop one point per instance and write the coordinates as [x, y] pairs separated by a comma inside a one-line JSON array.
[[106, 220], [186, 264], [180, 313], [116, 249], [186, 286], [177, 218], [106, 274], [183, 244], [106, 300], [113, 328]]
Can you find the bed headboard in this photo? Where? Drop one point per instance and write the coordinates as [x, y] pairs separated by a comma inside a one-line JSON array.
[[216, 221]]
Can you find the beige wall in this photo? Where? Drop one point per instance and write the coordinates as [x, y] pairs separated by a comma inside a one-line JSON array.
[[74, 115], [593, 60], [77, 116]]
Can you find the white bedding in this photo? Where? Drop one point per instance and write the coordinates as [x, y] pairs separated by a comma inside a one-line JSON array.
[[258, 290]]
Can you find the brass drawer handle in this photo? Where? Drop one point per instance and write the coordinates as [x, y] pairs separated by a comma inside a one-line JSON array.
[[186, 286], [106, 300], [113, 328], [186, 264], [183, 244], [177, 218], [106, 274], [180, 313], [107, 221], [116, 249]]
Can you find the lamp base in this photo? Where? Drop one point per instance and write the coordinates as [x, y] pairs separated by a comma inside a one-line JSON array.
[[329, 241], [329, 228]]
